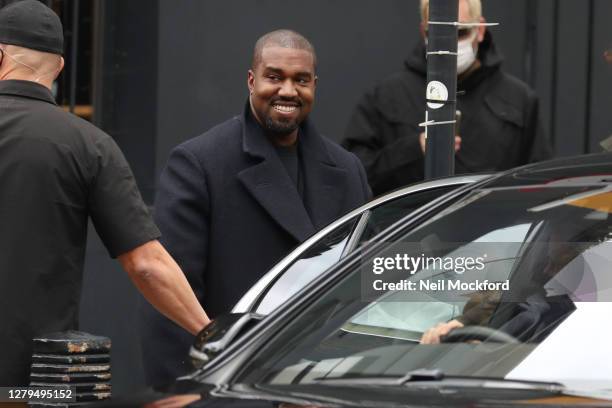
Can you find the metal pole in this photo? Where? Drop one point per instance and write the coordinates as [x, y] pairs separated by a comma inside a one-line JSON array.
[[74, 44], [441, 86], [99, 34]]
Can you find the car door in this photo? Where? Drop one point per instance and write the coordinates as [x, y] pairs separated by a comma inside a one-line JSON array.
[[326, 248]]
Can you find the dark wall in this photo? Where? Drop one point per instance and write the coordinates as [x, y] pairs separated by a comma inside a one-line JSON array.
[[126, 98], [572, 78], [357, 45], [126, 108], [205, 49], [174, 68], [186, 70], [555, 46], [598, 118]]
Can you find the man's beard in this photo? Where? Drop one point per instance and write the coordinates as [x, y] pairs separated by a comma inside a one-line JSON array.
[[279, 128]]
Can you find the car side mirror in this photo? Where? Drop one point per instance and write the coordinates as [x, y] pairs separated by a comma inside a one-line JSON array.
[[219, 334]]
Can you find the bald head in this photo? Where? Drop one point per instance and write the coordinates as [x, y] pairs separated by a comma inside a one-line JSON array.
[[283, 39], [30, 65]]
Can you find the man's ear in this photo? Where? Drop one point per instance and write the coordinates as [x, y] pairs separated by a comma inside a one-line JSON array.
[[251, 81], [481, 30], [316, 81], [61, 67]]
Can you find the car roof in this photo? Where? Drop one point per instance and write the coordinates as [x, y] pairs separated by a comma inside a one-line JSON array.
[[586, 169]]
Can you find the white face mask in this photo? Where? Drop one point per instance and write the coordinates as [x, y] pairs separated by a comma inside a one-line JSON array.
[[466, 54]]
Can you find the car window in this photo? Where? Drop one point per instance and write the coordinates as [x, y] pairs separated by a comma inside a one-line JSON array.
[[339, 243], [548, 255], [391, 316], [389, 213], [325, 253]]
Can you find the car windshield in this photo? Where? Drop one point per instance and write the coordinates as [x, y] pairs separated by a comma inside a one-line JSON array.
[[525, 270]]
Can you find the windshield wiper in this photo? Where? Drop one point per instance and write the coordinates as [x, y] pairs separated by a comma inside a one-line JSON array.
[[421, 376], [435, 375], [424, 375]]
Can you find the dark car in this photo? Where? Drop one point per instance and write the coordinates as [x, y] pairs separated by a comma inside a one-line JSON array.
[[523, 260], [340, 238]]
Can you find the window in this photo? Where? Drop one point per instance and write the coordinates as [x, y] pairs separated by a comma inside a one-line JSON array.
[[325, 253], [340, 242], [555, 252], [389, 213], [400, 315]]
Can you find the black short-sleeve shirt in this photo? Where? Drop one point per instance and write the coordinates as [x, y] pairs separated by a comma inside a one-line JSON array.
[[56, 171]]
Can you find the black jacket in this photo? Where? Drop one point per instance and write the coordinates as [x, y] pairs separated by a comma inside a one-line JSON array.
[[499, 128], [228, 211], [56, 171]]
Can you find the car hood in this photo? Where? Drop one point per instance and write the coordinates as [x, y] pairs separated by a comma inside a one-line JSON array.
[[317, 395]]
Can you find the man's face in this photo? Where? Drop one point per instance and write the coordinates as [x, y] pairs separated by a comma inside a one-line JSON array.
[[464, 33], [282, 88], [466, 17]]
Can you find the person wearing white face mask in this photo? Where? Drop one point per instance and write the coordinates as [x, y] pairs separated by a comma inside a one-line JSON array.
[[466, 54], [499, 129]]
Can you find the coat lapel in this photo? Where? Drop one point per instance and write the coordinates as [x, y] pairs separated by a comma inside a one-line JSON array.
[[269, 183], [325, 184]]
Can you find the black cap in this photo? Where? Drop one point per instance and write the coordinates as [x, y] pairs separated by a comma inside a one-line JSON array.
[[31, 24]]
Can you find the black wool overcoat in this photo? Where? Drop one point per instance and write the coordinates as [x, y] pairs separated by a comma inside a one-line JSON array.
[[228, 211]]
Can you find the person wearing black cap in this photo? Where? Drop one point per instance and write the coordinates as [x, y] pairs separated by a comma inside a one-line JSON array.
[[57, 170]]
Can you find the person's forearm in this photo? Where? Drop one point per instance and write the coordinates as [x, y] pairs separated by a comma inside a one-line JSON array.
[[164, 285]]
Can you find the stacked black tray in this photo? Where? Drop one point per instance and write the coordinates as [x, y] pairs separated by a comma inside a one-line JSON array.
[[73, 359]]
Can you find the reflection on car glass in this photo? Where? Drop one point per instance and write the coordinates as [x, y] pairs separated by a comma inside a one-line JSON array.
[[328, 242], [304, 270], [391, 314], [556, 260], [387, 214]]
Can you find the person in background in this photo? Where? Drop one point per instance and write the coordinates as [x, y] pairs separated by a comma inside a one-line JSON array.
[[500, 126], [56, 171]]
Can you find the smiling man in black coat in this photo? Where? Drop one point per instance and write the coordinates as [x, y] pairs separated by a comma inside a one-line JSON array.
[[237, 199]]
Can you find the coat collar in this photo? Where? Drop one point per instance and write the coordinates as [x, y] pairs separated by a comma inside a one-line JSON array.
[[27, 89], [269, 183], [257, 144]]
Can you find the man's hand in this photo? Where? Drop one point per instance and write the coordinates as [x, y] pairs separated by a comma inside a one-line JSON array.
[[432, 336], [164, 285], [423, 143]]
